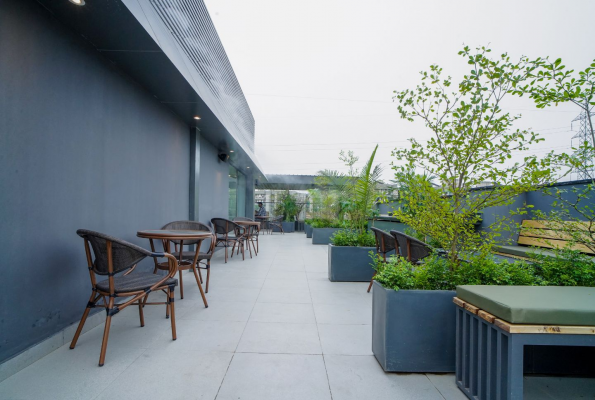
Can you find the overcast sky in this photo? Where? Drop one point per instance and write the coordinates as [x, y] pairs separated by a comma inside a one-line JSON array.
[[319, 75]]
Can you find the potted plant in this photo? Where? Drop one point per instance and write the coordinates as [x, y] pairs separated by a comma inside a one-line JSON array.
[[308, 227], [288, 207], [349, 256], [323, 229], [472, 142]]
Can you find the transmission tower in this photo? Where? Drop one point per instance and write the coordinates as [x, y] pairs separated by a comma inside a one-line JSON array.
[[583, 135]]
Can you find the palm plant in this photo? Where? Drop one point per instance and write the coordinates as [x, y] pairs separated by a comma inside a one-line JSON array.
[[356, 191]]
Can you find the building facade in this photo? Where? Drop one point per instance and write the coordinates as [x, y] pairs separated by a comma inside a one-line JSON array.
[[115, 116]]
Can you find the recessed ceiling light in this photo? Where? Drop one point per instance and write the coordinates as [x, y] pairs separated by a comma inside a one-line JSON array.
[[247, 167], [231, 151], [196, 117], [78, 2]]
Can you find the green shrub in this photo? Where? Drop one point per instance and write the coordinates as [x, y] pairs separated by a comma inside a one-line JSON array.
[[347, 237], [568, 268], [325, 223]]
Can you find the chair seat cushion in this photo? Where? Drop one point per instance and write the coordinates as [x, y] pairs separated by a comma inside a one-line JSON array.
[[189, 255], [134, 282]]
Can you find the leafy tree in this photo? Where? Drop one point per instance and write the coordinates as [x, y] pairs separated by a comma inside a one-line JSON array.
[[473, 141], [288, 207], [356, 191], [551, 83]]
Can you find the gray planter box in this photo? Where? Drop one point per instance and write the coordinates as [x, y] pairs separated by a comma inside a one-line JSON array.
[[308, 230], [323, 235], [349, 264], [413, 330], [288, 227]]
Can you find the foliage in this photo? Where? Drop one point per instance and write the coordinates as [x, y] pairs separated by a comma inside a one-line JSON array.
[[473, 142], [356, 191], [568, 268], [353, 238], [288, 207], [426, 239], [326, 223], [573, 217]]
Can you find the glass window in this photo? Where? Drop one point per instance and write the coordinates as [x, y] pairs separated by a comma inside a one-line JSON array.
[[233, 190]]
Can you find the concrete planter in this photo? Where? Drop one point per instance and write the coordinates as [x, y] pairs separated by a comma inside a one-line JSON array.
[[308, 230], [413, 330], [323, 235], [288, 227], [349, 264]]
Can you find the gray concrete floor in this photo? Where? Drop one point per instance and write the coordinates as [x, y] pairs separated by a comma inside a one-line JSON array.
[[276, 328]]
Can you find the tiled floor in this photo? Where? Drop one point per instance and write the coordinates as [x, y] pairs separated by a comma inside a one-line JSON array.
[[276, 328]]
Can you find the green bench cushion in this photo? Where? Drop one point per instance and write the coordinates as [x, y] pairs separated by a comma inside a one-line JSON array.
[[541, 305], [522, 251]]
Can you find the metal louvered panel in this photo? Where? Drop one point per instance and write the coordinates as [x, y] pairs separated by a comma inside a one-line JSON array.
[[193, 30]]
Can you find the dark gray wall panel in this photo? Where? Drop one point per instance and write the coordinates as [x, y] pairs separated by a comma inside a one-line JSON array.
[[81, 146], [213, 191]]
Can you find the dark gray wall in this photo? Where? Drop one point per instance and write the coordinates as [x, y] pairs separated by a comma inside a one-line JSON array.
[[81, 146], [213, 191]]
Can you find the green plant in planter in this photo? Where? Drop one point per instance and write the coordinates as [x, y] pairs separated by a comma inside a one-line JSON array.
[[356, 191], [568, 268], [353, 238], [326, 223], [473, 142], [288, 207]]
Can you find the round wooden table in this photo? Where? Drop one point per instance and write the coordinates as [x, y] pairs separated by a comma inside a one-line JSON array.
[[250, 225], [178, 237]]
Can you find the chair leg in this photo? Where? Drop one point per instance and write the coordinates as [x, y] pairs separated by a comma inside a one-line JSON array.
[[199, 274], [108, 322], [90, 304], [204, 299], [140, 313], [208, 274], [233, 249], [171, 301], [247, 242], [226, 254], [371, 282], [181, 285]]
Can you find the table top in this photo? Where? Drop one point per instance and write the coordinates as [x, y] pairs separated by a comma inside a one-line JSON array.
[[173, 234], [255, 223]]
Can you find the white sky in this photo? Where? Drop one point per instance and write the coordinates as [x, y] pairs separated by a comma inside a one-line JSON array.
[[319, 75]]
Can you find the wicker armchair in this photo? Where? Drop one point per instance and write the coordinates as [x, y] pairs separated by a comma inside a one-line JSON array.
[[412, 249], [113, 256], [277, 222], [191, 259], [223, 228], [385, 243]]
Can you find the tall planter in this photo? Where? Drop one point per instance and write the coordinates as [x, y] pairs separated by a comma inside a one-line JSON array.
[[349, 264], [308, 230], [323, 235], [288, 227], [413, 330]]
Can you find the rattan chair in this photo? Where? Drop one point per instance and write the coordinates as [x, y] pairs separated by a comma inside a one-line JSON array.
[[223, 227], [277, 222], [191, 259], [385, 243], [412, 249], [252, 232], [113, 256]]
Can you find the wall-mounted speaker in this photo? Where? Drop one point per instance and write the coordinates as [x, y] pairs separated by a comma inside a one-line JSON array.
[[223, 156]]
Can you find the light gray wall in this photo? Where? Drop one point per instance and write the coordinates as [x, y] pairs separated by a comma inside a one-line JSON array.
[[81, 146]]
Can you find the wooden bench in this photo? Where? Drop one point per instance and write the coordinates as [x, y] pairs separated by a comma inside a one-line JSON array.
[[540, 236]]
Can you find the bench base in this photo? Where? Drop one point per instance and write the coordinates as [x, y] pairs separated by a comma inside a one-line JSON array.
[[489, 355]]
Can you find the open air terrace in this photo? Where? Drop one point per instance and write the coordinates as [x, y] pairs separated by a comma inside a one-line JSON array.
[[267, 200], [276, 328]]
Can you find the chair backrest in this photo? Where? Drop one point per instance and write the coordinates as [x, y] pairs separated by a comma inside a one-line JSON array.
[[187, 226], [385, 242], [124, 255], [411, 248], [243, 219], [223, 226], [278, 219]]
